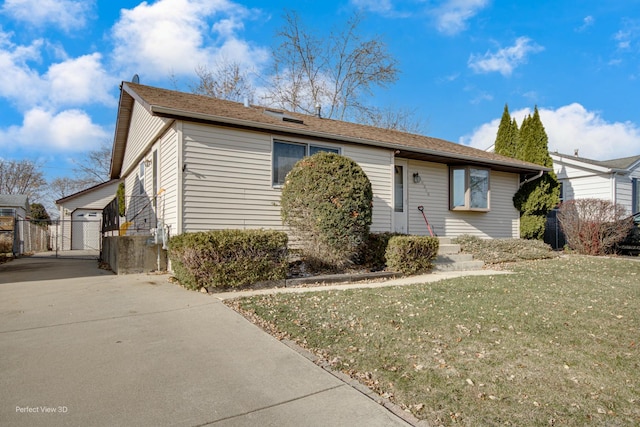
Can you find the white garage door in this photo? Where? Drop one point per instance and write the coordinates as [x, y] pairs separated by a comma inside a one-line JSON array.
[[85, 231]]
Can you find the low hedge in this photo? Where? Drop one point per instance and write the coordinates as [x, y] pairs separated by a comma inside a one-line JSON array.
[[228, 258], [412, 254], [373, 252]]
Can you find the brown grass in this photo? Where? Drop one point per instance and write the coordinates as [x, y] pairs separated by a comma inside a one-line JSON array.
[[555, 343]]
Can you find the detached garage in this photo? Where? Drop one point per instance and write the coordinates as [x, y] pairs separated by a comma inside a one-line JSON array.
[[85, 229], [80, 220]]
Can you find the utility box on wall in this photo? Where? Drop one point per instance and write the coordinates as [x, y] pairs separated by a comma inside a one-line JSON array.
[[133, 254]]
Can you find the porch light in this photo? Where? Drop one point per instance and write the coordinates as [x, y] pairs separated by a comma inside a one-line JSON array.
[[416, 178]]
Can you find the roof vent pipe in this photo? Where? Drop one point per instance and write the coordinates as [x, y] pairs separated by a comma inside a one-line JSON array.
[[246, 102], [575, 152], [318, 110]]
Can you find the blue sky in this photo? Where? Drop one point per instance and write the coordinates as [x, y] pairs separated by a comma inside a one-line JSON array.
[[61, 62]]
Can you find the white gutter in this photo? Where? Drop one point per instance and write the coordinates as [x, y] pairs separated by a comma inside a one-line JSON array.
[[537, 176]]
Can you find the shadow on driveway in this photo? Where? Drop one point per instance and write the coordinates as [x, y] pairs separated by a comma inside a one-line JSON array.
[[48, 267]]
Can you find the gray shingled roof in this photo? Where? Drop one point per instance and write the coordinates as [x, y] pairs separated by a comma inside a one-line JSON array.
[[186, 106], [14, 201], [623, 163]]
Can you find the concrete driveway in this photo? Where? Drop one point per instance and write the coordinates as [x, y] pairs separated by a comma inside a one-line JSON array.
[[80, 346]]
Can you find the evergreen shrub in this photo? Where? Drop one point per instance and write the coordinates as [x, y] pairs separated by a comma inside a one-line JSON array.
[[327, 203], [373, 251], [412, 254], [228, 258]]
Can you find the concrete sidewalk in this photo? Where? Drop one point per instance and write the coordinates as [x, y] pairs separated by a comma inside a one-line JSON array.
[[80, 346]]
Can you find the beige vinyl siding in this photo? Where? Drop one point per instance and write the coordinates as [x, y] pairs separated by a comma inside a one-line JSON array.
[[144, 129], [169, 172], [227, 180], [432, 193], [502, 221], [378, 165]]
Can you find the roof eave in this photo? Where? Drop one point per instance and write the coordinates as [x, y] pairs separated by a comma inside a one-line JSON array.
[[577, 161], [454, 157]]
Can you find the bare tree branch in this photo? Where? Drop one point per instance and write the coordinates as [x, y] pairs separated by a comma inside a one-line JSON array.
[[334, 71], [226, 80], [22, 177], [93, 167], [400, 119]]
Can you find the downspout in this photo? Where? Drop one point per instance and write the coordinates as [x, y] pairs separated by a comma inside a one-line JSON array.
[[537, 176]]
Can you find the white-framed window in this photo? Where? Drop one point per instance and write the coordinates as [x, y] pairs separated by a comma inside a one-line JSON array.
[[287, 154], [469, 188], [141, 177]]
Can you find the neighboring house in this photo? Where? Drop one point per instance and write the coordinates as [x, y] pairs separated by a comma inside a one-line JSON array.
[[615, 180], [81, 215], [204, 163], [14, 210]]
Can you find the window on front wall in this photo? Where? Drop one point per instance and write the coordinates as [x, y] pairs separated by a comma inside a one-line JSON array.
[[286, 154], [469, 188]]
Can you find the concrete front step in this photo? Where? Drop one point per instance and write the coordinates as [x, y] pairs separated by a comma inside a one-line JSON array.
[[453, 258], [450, 259], [458, 266], [448, 248]]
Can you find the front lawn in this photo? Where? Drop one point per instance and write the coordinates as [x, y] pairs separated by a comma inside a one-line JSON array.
[[555, 343]]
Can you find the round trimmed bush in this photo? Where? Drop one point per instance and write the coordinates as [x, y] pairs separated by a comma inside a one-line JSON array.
[[326, 201]]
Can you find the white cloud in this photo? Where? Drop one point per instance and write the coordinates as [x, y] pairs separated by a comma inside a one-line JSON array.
[[376, 6], [78, 81], [17, 81], [176, 36], [505, 60], [587, 22], [452, 15], [568, 128], [70, 130], [65, 14], [74, 81]]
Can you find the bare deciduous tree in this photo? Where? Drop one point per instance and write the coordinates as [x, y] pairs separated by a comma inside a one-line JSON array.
[[400, 119], [65, 186], [226, 80], [22, 177], [334, 72], [93, 167]]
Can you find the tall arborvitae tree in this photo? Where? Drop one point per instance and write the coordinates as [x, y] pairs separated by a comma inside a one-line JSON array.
[[535, 198], [505, 139]]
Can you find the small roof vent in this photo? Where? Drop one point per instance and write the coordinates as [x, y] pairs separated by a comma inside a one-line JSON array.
[[283, 116]]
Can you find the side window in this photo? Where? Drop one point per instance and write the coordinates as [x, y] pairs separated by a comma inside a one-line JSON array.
[[313, 149], [469, 188], [286, 154]]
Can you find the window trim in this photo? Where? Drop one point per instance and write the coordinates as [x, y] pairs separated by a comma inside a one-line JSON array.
[[467, 190], [307, 148]]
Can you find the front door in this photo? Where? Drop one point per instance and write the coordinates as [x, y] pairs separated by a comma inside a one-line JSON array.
[[400, 211]]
